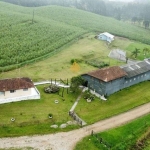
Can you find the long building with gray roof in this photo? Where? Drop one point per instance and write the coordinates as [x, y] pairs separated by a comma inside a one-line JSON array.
[[109, 80]]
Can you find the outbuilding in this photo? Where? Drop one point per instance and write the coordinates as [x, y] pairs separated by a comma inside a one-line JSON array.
[[109, 80], [106, 37]]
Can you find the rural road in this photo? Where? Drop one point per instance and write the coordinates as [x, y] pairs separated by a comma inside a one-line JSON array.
[[67, 140]]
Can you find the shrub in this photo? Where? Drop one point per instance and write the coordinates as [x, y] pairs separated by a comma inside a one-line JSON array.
[[51, 89]]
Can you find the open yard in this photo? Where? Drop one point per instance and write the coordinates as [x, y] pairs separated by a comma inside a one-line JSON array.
[[31, 117], [118, 102]]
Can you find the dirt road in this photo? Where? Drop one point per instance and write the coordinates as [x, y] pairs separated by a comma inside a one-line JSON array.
[[67, 140]]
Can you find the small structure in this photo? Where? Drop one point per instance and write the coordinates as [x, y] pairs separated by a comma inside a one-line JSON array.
[[106, 37], [17, 89], [118, 54], [109, 80]]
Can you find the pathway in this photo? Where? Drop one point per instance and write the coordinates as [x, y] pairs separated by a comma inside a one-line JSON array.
[[67, 140], [53, 82]]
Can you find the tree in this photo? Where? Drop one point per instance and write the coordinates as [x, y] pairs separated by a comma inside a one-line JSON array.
[[75, 67], [145, 50], [75, 82], [146, 23], [136, 52], [134, 19]]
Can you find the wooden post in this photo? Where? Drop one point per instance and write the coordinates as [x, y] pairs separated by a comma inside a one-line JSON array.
[[63, 92], [92, 132]]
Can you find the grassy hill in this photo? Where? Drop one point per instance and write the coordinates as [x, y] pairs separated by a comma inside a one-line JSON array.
[[23, 42]]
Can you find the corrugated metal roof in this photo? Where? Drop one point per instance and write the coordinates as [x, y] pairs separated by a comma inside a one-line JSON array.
[[15, 84], [107, 34], [136, 69], [108, 74]]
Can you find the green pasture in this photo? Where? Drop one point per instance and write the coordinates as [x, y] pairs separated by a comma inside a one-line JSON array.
[[120, 138], [31, 117], [116, 103]]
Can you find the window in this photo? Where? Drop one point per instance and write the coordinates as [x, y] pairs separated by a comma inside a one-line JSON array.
[[134, 78], [12, 91], [2, 93], [26, 89]]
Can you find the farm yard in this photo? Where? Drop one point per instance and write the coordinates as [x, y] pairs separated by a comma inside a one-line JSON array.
[[43, 48]]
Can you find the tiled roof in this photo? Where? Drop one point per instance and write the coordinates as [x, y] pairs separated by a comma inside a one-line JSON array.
[[15, 84], [108, 74]]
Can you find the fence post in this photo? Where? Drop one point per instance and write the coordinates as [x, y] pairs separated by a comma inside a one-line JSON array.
[[92, 132]]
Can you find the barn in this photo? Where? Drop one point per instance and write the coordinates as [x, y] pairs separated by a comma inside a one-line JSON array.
[[106, 37], [17, 89], [109, 80]]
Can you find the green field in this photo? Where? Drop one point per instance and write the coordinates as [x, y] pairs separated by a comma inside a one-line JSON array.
[[59, 65], [31, 117], [120, 138], [116, 103], [24, 42]]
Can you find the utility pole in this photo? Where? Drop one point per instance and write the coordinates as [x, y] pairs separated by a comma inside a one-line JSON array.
[[33, 17]]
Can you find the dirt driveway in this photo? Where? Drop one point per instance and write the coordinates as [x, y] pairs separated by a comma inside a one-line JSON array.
[[67, 140]]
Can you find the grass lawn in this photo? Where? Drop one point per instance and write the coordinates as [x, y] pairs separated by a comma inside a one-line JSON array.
[[120, 138], [117, 103], [31, 117]]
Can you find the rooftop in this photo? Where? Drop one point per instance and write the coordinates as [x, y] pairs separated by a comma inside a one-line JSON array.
[[15, 84], [137, 68], [108, 34], [108, 74]]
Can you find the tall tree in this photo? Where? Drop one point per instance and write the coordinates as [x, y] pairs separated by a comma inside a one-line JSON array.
[[146, 24], [136, 52]]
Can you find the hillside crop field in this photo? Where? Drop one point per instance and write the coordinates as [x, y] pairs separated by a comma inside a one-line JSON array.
[[26, 38]]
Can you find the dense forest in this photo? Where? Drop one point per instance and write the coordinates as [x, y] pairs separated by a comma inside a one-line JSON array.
[[137, 11]]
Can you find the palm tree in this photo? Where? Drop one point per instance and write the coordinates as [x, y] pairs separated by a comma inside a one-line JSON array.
[[145, 50], [135, 52]]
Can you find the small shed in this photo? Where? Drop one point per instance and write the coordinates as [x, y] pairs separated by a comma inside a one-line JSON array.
[[106, 37]]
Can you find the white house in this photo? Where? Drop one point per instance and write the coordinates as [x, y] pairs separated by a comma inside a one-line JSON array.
[[106, 37], [17, 89]]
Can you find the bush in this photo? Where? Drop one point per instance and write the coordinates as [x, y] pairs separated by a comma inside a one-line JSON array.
[[88, 95], [51, 89]]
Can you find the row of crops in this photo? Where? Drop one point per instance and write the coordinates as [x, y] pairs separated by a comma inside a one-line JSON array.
[[23, 41]]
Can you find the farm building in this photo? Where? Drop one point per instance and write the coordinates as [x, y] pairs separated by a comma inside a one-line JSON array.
[[17, 89], [109, 80], [106, 37]]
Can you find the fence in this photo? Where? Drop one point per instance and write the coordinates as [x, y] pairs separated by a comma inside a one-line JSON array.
[[101, 140], [75, 117]]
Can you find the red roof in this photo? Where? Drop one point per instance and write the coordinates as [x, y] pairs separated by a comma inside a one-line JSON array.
[[15, 84], [108, 74]]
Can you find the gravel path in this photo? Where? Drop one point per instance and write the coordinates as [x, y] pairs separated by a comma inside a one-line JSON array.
[[67, 140]]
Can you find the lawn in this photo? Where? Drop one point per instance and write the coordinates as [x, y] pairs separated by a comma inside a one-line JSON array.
[[120, 138], [116, 103], [31, 117]]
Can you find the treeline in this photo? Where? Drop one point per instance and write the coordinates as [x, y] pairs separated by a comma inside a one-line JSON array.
[[135, 12]]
